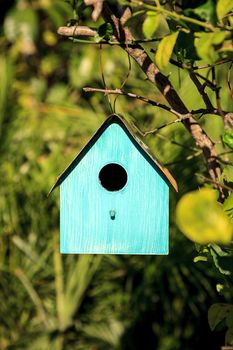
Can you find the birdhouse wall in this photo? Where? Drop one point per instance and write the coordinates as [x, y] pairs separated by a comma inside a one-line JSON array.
[[140, 225]]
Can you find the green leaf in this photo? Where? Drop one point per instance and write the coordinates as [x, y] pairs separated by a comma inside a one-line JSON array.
[[185, 48], [219, 287], [105, 31], [228, 205], [206, 44], [165, 49], [217, 253], [206, 11], [217, 313], [229, 337], [135, 18], [228, 138], [218, 250], [229, 320], [150, 24], [227, 174], [200, 258], [223, 7], [202, 219]]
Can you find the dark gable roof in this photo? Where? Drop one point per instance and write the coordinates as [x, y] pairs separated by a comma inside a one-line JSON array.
[[141, 147]]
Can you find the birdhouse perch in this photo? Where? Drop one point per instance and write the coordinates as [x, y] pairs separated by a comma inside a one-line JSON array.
[[114, 196]]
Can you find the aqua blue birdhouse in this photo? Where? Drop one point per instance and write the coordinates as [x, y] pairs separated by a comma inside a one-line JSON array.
[[114, 196]]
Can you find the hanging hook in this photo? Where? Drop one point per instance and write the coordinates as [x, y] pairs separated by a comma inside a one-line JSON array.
[[123, 83], [103, 79]]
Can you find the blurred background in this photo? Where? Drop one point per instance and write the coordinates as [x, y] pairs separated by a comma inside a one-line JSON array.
[[49, 301]]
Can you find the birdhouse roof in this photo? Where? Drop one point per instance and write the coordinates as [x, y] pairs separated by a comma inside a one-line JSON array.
[[164, 172]]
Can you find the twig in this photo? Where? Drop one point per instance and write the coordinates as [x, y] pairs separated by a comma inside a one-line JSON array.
[[154, 131], [124, 82], [214, 182], [206, 80], [229, 79], [164, 85], [189, 157], [217, 92], [141, 98], [204, 111], [212, 65], [103, 78], [201, 90], [163, 137], [224, 153], [176, 16], [188, 66], [224, 161]]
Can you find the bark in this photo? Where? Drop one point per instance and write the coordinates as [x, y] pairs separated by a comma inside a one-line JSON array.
[[76, 31], [123, 35], [164, 85]]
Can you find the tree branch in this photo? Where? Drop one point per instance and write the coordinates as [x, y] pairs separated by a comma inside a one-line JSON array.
[[201, 90], [121, 92], [141, 98], [144, 99], [194, 68], [98, 6], [159, 80], [123, 35], [77, 31], [228, 121], [74, 31], [228, 188]]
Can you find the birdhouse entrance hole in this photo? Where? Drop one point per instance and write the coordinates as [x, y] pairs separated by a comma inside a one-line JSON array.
[[113, 177]]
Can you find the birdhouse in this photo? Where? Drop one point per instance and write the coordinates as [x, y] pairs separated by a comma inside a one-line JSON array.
[[114, 196]]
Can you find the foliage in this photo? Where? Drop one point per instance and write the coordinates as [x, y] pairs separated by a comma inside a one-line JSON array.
[[109, 302], [205, 221], [164, 50], [219, 313]]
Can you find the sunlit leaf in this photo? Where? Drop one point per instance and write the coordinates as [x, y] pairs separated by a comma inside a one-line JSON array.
[[204, 12], [223, 7], [228, 138], [165, 49], [207, 11], [200, 258], [150, 24], [202, 219], [227, 174], [218, 258], [219, 287], [228, 205], [206, 43]]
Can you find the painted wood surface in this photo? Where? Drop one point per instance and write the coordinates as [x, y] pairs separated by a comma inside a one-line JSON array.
[[141, 207]]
